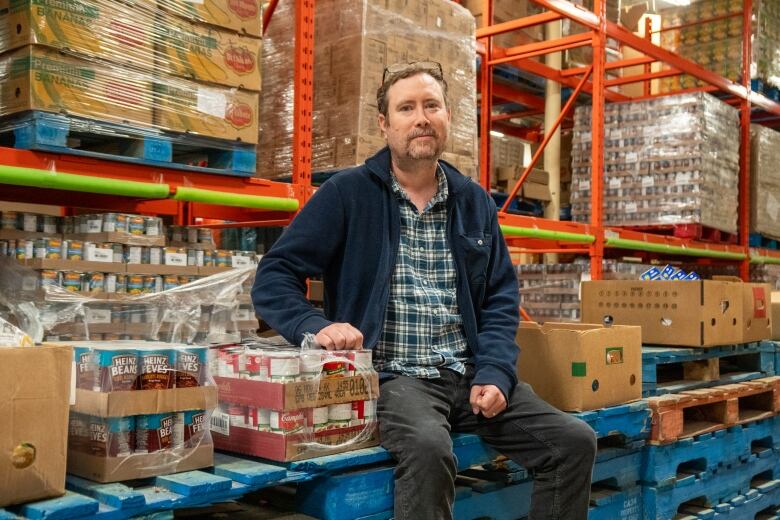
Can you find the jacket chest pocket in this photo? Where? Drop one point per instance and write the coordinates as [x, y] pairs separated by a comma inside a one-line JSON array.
[[476, 247]]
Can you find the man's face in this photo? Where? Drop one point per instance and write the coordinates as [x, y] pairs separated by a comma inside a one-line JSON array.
[[418, 122]]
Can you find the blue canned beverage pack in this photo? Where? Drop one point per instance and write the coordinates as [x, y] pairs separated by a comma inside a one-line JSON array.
[[116, 369], [157, 368], [191, 366]]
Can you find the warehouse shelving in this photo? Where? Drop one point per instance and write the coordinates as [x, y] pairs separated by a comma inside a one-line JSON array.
[[549, 236]]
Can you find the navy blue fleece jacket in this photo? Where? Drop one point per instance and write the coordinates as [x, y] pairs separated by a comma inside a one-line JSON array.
[[349, 233]]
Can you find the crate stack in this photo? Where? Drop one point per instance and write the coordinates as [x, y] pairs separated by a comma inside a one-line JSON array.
[[709, 33], [667, 162], [708, 377], [115, 276], [174, 82], [355, 41]]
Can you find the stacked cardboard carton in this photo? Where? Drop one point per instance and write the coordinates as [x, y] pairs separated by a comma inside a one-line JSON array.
[[354, 42], [709, 32], [183, 68], [764, 181], [670, 160]]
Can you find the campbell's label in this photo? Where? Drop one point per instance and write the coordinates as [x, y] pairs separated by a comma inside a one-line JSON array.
[[239, 115], [240, 59], [287, 422], [245, 9], [116, 370], [157, 372], [190, 365]]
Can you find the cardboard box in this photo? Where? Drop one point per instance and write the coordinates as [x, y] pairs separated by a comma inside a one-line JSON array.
[[141, 465], [756, 312], [82, 266], [104, 29], [295, 396], [188, 107], [536, 191], [244, 16], [686, 313], [162, 269], [577, 367], [144, 402], [34, 395], [206, 53], [116, 237], [775, 315], [286, 448], [37, 78]]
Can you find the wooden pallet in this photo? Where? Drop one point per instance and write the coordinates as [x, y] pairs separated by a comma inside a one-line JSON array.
[[689, 231], [694, 412], [73, 135]]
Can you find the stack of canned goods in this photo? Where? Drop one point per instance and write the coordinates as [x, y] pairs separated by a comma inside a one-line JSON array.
[[141, 434], [307, 420], [113, 283], [287, 365], [30, 222], [135, 225], [190, 235]]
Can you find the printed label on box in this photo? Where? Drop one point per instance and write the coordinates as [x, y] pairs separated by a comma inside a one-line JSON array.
[[100, 255], [212, 102], [98, 316], [241, 261], [220, 422], [179, 259]]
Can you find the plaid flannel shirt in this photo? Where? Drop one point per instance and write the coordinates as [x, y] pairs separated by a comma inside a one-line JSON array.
[[423, 328]]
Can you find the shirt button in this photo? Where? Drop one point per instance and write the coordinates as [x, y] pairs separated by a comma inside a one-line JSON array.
[[422, 249], [479, 242], [425, 282], [435, 312]]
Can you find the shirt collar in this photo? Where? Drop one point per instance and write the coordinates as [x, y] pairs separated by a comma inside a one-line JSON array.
[[442, 190]]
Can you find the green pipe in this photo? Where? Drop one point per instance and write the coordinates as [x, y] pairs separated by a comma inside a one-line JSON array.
[[224, 198], [546, 234], [68, 181], [622, 243], [758, 259]]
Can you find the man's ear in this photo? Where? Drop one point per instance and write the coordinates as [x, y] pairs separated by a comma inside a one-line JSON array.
[[382, 121]]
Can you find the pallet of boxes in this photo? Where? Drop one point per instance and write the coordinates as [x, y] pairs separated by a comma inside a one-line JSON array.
[[141, 409], [34, 400], [170, 83], [712, 404], [284, 403]]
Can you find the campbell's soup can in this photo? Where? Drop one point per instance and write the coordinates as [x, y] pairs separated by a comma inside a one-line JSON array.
[[311, 364], [136, 225], [157, 369], [283, 366], [287, 422], [339, 415], [155, 432], [95, 282], [237, 416], [363, 411], [360, 360], [196, 424], [333, 367], [72, 281], [256, 367], [79, 432], [191, 363], [115, 369], [319, 419], [9, 219], [259, 418], [75, 250], [112, 436], [50, 278]]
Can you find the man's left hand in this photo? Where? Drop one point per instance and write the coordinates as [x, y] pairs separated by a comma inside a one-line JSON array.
[[487, 399]]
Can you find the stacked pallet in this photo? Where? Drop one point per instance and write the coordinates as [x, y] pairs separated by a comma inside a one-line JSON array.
[[174, 82]]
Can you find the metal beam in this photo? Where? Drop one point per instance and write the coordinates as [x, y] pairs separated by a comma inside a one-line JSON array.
[[515, 25]]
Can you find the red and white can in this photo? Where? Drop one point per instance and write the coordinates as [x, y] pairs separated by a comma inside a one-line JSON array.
[[319, 419], [339, 415], [256, 366], [334, 367], [259, 419], [363, 412], [311, 364], [287, 422], [283, 365], [360, 361]]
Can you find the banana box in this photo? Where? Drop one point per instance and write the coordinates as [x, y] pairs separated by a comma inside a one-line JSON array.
[[186, 106], [39, 78], [103, 29], [243, 16], [208, 54]]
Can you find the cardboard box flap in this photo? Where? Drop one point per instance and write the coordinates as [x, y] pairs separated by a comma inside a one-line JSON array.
[[144, 402]]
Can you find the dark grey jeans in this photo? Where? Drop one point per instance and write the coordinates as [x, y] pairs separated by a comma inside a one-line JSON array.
[[416, 417]]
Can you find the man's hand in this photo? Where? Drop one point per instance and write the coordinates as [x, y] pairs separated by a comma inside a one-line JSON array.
[[487, 399], [340, 336]]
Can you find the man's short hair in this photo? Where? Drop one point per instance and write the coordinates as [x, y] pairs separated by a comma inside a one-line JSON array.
[[399, 71]]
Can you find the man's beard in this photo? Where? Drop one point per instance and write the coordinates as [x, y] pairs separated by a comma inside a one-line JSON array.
[[424, 151]]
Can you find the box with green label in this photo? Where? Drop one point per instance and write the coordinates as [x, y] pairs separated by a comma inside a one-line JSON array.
[[577, 367]]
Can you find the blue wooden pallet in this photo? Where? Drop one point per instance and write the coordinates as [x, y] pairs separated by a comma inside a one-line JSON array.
[[764, 499], [662, 367], [708, 490], [757, 240], [629, 421], [762, 87], [73, 135], [703, 454]]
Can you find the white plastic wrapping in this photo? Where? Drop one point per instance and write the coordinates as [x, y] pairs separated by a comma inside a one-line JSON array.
[[670, 160], [354, 42], [765, 181]]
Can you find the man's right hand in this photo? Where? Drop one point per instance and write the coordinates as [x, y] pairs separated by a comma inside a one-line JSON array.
[[340, 336]]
